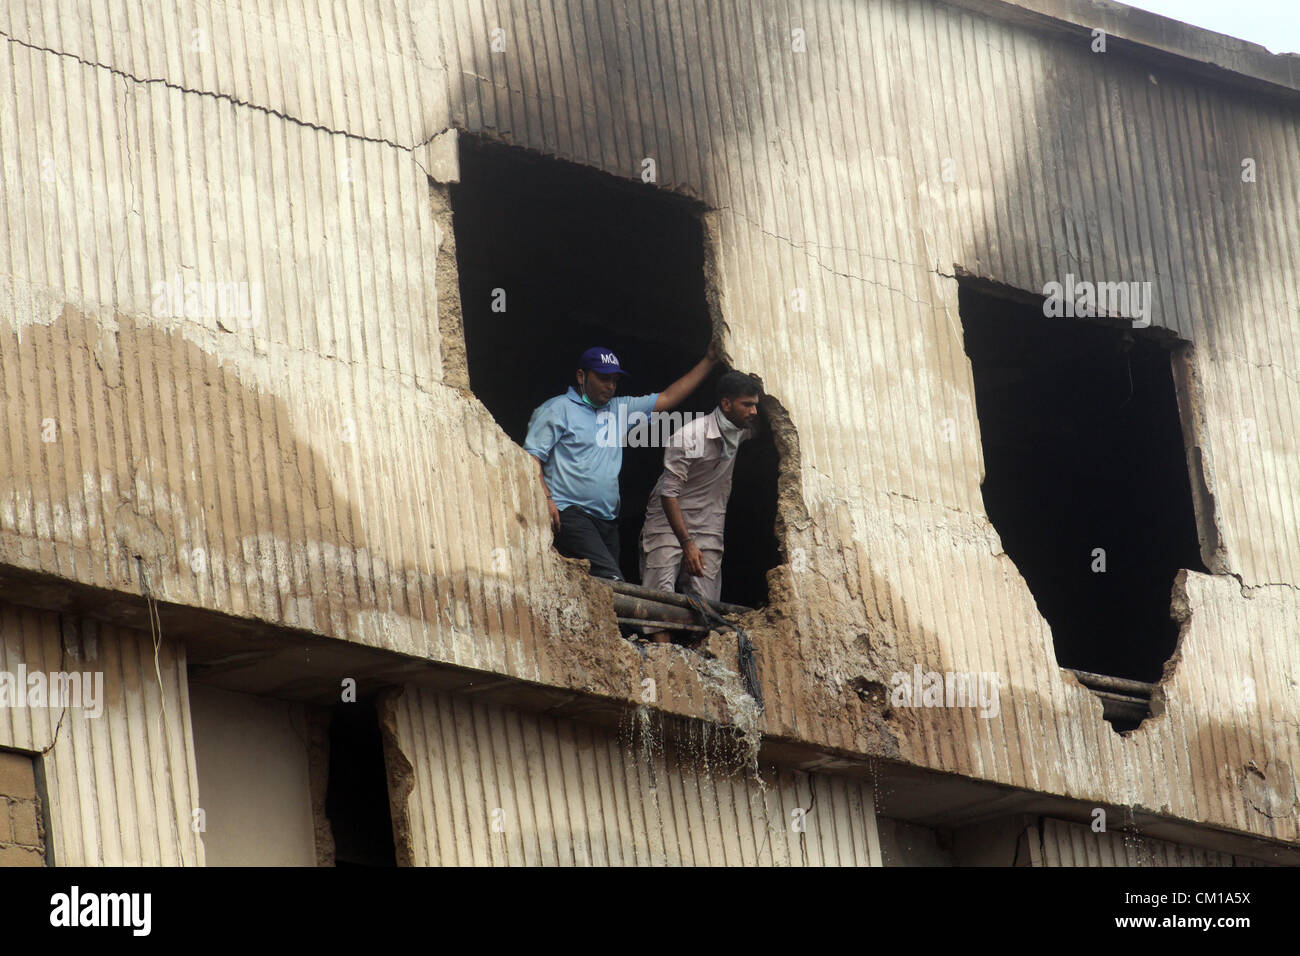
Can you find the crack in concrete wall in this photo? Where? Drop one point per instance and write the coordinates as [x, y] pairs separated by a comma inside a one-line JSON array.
[[226, 97]]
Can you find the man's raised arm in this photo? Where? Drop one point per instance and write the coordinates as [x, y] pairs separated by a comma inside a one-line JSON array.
[[676, 393]]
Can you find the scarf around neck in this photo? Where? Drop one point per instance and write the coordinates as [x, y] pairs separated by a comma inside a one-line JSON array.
[[731, 435]]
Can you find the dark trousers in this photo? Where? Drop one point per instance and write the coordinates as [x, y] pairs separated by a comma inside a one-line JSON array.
[[586, 536]]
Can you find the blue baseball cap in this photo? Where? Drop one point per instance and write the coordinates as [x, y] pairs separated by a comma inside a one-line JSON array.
[[600, 359]]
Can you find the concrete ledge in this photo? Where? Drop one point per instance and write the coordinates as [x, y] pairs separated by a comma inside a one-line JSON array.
[[1165, 41]]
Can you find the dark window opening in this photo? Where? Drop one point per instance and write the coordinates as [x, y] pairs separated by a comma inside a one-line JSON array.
[[583, 259], [1084, 460], [356, 800]]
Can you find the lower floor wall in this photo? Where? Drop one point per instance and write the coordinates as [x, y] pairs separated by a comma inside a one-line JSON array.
[[110, 777], [1073, 844], [478, 784], [113, 756], [1033, 840]]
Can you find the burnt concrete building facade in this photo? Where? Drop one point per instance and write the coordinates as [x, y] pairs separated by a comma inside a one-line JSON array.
[[279, 286]]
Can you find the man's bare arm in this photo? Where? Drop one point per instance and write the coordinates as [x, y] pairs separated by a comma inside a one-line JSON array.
[[676, 393], [690, 553]]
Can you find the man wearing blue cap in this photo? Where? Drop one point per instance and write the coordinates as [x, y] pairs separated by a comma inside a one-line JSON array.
[[579, 470]]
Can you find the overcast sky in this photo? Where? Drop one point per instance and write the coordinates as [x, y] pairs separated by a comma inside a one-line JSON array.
[[1274, 24]]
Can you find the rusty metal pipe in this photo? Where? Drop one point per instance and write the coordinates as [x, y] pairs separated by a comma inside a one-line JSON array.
[[661, 625], [1120, 685], [668, 597], [627, 606]]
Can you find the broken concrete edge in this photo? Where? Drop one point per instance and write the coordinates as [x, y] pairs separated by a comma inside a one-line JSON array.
[[1180, 609], [446, 278], [1191, 414], [1161, 40], [318, 774], [683, 193], [1089, 700], [439, 156], [43, 804], [400, 773]]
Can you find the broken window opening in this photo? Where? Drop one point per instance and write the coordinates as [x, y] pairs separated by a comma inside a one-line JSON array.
[[1086, 478], [554, 258], [356, 800]]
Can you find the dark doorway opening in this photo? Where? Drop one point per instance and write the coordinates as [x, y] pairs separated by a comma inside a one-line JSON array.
[[1084, 461], [356, 799], [583, 258]]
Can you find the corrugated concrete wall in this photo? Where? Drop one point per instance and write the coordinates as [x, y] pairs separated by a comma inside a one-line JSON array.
[[289, 465], [496, 786], [121, 784], [1025, 840], [307, 466], [1072, 844]]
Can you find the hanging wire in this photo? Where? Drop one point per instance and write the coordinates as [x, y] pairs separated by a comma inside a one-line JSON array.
[[748, 667], [155, 634]]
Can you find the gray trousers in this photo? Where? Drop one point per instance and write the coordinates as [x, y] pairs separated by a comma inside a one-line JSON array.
[[663, 569]]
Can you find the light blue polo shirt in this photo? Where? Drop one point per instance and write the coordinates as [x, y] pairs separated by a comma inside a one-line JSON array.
[[580, 464]]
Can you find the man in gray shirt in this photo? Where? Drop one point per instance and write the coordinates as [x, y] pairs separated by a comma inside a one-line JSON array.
[[681, 541]]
